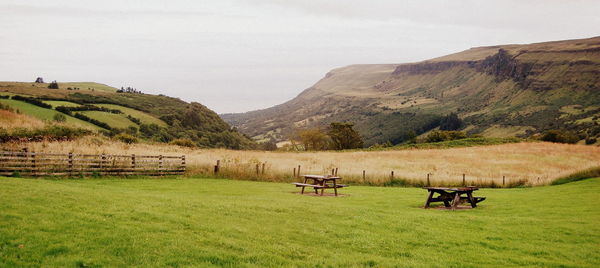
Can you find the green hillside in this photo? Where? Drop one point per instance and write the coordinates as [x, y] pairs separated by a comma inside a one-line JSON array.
[[499, 91], [152, 117], [46, 114]]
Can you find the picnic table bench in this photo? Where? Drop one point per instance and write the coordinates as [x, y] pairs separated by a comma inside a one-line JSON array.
[[320, 182], [452, 197]]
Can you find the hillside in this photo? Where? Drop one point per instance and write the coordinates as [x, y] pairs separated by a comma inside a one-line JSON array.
[[498, 91], [101, 108]]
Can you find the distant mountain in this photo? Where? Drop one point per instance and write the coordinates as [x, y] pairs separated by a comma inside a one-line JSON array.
[[506, 90], [105, 109]]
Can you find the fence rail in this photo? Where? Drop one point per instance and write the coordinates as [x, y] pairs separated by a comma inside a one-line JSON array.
[[51, 164]]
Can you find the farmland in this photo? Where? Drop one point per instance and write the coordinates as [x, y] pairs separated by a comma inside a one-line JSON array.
[[224, 223], [533, 163]]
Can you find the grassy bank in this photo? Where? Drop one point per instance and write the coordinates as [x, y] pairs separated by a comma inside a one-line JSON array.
[[224, 223]]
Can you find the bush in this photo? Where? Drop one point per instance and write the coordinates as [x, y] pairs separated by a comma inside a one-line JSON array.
[[53, 85], [87, 107], [126, 138], [183, 142], [451, 122], [93, 121], [59, 117], [560, 137], [34, 101], [439, 136]]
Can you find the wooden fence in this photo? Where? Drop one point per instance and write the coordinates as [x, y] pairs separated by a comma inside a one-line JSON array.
[[47, 164]]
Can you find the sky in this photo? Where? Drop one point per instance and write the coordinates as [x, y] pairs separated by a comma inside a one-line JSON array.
[[242, 55]]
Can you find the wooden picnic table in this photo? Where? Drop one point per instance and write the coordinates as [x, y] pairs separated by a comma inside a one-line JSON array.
[[452, 197], [320, 182]]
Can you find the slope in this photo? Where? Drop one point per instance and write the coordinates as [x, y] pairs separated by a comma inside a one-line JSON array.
[[498, 91]]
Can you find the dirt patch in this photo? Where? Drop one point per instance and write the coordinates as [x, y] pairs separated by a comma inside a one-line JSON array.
[[326, 194]]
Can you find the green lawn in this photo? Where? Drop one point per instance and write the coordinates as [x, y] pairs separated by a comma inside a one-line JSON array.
[[113, 120], [45, 114], [144, 117], [209, 222]]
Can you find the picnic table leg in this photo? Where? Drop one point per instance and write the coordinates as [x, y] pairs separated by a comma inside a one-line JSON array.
[[305, 180], [471, 199], [335, 187], [428, 199], [456, 200], [316, 182]]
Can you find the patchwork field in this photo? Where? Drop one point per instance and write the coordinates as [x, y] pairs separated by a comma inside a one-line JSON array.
[[226, 223], [45, 114], [531, 163], [144, 117]]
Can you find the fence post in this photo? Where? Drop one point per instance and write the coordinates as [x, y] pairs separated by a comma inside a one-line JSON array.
[[217, 167], [464, 183], [133, 161], [263, 169], [160, 164], [33, 165], [336, 169], [364, 174], [102, 159], [392, 175], [182, 163], [503, 177], [70, 164], [294, 172], [428, 182], [298, 170], [333, 172], [257, 170]]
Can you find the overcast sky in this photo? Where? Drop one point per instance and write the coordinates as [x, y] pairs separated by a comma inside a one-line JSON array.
[[241, 55]]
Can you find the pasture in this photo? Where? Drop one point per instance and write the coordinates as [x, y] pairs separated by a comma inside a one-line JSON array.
[[173, 222], [45, 114], [531, 163]]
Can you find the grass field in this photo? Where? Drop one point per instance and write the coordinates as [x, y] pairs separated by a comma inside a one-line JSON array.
[[144, 117], [45, 114], [113, 120], [482, 165], [225, 223], [62, 103]]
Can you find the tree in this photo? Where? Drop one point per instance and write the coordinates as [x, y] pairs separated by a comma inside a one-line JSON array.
[[343, 136], [313, 139], [53, 85], [560, 136], [451, 122], [269, 145]]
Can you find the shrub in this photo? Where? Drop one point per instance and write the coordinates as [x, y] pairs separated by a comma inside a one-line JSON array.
[[126, 138], [590, 140], [59, 117], [87, 107], [53, 85], [559, 136], [185, 142], [451, 122], [93, 121], [439, 136], [34, 101]]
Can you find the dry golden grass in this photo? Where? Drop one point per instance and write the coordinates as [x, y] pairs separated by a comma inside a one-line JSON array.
[[10, 120], [535, 163]]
